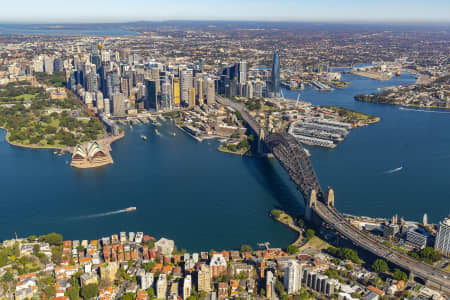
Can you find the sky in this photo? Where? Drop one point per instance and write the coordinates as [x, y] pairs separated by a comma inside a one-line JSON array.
[[48, 11]]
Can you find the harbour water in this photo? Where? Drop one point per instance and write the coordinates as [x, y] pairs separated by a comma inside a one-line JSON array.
[[182, 189], [400, 165], [203, 199]]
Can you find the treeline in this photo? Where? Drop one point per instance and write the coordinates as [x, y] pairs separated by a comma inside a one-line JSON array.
[[427, 254], [376, 98], [13, 91], [344, 253], [28, 126], [57, 79]]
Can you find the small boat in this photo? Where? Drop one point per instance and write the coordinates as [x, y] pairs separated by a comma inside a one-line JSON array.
[[156, 131], [143, 137], [130, 209], [174, 134], [55, 152]]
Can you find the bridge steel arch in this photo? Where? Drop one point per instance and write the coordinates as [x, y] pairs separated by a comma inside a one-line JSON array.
[[292, 156]]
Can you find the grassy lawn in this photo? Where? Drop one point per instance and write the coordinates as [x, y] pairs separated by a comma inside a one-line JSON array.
[[351, 115], [285, 218], [26, 97], [447, 268], [316, 243]]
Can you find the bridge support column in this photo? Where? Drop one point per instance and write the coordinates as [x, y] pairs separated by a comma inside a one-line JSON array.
[[330, 197], [310, 204], [261, 142], [411, 276]]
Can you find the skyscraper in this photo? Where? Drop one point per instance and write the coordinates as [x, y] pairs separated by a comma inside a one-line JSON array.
[[161, 287], [276, 74], [95, 55], [442, 242], [270, 285], [176, 91], [191, 97], [210, 92], [204, 279], [186, 84], [187, 287], [293, 277], [119, 107], [243, 72], [151, 95]]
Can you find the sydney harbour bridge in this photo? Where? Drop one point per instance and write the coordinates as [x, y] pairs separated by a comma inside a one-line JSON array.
[[319, 205]]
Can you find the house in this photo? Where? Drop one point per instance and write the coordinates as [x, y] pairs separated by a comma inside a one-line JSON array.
[[222, 290], [218, 265], [88, 278], [165, 246]]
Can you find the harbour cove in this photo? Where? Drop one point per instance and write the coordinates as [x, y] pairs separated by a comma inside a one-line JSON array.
[[203, 199]]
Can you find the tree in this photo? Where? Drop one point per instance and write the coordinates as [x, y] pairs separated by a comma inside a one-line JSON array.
[[262, 292], [49, 291], [52, 238], [291, 249], [7, 277], [380, 266], [301, 223], [310, 234], [399, 275], [36, 249], [89, 291], [429, 255], [128, 296], [151, 293], [73, 292], [279, 287], [57, 254], [3, 258], [246, 248], [276, 213]]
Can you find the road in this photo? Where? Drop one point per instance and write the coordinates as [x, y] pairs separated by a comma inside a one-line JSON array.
[[332, 217]]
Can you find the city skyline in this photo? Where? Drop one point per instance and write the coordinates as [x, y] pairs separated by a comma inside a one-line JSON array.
[[48, 11]]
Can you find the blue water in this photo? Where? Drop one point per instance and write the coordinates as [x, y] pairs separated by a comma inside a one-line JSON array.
[[203, 199], [183, 189], [416, 139]]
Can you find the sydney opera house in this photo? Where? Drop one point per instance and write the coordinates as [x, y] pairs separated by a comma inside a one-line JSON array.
[[90, 155]]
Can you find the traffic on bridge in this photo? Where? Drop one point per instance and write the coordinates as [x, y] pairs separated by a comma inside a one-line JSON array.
[[291, 155]]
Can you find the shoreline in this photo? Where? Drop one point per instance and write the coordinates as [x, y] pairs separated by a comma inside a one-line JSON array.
[[405, 105], [104, 143], [372, 75], [292, 227], [230, 152], [34, 146]]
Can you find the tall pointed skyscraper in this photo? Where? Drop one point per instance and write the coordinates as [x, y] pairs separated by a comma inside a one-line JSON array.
[[276, 75]]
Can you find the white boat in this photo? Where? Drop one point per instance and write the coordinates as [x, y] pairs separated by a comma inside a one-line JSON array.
[[130, 209], [143, 137]]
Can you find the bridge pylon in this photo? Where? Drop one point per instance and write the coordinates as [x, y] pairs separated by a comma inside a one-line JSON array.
[[261, 141], [329, 197], [310, 204]]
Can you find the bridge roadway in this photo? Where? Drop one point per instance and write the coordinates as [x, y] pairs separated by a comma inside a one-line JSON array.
[[437, 277], [290, 154]]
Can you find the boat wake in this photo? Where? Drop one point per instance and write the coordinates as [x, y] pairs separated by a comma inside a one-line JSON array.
[[394, 170], [110, 213], [423, 110]]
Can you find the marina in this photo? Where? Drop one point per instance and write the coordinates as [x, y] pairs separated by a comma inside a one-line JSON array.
[[319, 131]]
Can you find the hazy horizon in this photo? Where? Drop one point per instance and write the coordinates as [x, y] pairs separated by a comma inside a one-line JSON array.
[[115, 11]]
